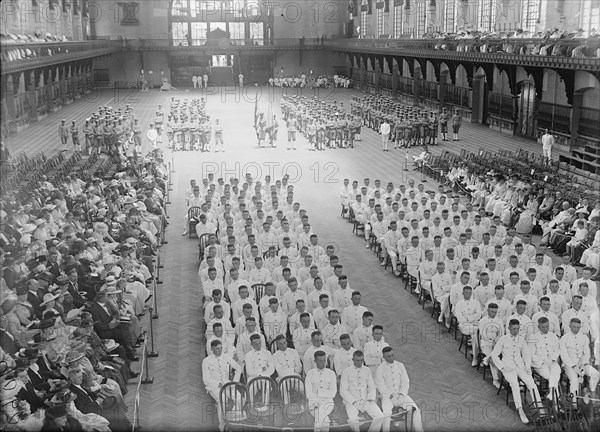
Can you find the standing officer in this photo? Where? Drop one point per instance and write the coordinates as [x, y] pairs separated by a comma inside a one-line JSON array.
[[75, 137], [63, 133], [384, 129], [88, 131], [456, 123], [311, 131], [444, 124], [291, 126]]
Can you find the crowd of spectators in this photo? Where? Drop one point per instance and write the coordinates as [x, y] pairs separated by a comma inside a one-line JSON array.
[[311, 81], [77, 272], [27, 53], [277, 304], [523, 313], [549, 43]]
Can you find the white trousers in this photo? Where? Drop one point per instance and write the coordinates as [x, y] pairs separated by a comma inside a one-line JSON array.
[[371, 409], [588, 370], [551, 372], [408, 404], [321, 411], [512, 375], [547, 151]]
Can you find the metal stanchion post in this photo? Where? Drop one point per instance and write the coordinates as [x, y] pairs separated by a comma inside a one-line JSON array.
[[155, 301], [147, 379], [406, 160], [152, 353]]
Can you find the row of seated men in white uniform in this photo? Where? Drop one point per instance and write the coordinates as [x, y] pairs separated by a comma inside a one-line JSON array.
[[306, 296], [461, 247]]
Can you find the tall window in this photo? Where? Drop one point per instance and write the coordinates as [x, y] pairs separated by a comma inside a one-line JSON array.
[[256, 33], [590, 15], [487, 14], [236, 31], [180, 30], [420, 24], [199, 33], [449, 23], [364, 18], [380, 22], [530, 15], [398, 21]]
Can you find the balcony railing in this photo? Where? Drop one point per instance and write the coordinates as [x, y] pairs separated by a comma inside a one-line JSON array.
[[194, 44], [562, 53], [18, 57]]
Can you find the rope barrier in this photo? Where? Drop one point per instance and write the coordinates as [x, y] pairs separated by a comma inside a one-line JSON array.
[[136, 405], [571, 395]]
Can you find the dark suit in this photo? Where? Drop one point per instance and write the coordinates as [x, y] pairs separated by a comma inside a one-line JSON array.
[[8, 343], [120, 333], [35, 301], [53, 268], [38, 382], [85, 402], [47, 370], [78, 299], [11, 277], [28, 394], [12, 232]]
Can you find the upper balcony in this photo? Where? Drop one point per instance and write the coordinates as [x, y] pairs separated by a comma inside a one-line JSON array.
[[578, 54], [18, 57], [222, 45]]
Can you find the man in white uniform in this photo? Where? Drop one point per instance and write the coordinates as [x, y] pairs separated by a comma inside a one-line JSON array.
[[357, 389], [392, 382], [321, 388], [215, 373]]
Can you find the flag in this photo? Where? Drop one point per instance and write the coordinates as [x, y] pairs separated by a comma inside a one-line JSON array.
[[270, 116], [256, 113]]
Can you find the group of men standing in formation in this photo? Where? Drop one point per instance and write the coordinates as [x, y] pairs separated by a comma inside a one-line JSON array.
[[188, 127], [264, 237], [199, 80], [324, 124], [106, 131], [405, 126]]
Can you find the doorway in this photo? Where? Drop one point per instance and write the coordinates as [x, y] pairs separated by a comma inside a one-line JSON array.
[[219, 60], [527, 110]]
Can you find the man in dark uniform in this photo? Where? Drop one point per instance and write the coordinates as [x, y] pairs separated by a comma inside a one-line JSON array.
[[88, 131], [444, 124], [456, 123], [75, 137]]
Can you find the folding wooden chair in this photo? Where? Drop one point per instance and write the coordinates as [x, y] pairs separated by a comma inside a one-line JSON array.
[[193, 213], [233, 399], [293, 395]]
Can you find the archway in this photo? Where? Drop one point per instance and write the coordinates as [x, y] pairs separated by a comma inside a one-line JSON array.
[[527, 103]]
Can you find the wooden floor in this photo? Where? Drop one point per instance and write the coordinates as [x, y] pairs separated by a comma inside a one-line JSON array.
[[451, 394]]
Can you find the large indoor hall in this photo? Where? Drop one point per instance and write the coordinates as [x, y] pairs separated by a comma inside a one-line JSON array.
[[439, 168]]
